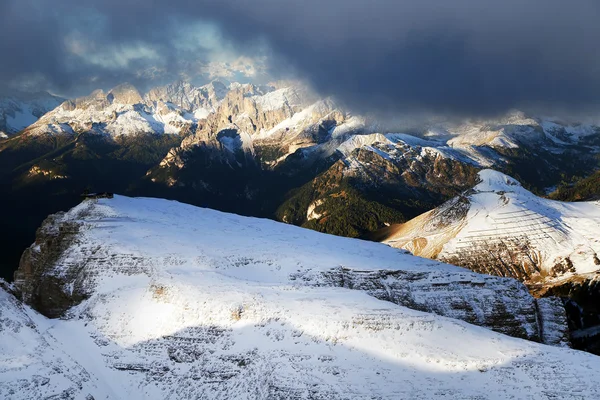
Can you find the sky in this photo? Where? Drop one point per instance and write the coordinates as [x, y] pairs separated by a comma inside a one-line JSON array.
[[463, 57]]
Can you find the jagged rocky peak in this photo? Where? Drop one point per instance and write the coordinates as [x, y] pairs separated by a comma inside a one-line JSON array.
[[95, 100], [173, 301], [257, 102], [125, 93], [189, 97], [251, 113], [120, 112], [216, 90], [267, 131]]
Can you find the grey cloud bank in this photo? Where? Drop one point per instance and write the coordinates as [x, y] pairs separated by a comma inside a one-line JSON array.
[[458, 57]]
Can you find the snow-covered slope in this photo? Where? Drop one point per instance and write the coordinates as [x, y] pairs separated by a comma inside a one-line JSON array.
[[19, 110], [33, 363], [173, 301], [394, 146], [558, 240]]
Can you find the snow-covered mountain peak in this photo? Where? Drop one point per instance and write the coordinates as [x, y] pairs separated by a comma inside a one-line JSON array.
[[121, 111], [494, 181], [360, 141], [291, 97], [125, 93], [545, 240]]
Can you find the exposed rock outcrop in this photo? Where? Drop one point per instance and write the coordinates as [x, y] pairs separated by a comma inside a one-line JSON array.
[[125, 93], [41, 281], [270, 124], [503, 305], [189, 97]]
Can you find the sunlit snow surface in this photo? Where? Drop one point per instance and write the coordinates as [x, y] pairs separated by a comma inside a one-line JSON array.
[[190, 303], [499, 208]]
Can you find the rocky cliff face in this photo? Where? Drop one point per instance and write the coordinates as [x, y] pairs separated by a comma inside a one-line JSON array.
[[265, 123], [125, 94], [41, 279], [474, 299], [189, 97], [582, 295]]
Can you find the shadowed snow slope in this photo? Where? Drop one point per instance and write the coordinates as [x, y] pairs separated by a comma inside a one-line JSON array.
[[162, 300]]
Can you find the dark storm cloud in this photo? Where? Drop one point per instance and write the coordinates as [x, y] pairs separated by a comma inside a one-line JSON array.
[[457, 56], [73, 47], [33, 48]]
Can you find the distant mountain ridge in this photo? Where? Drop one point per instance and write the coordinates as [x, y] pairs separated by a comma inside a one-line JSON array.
[[18, 110]]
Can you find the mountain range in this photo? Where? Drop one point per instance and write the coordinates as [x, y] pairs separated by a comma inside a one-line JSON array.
[[283, 152], [137, 297], [278, 151], [18, 110]]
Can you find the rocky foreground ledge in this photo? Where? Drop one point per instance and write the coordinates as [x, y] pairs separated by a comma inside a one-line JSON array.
[[155, 299]]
